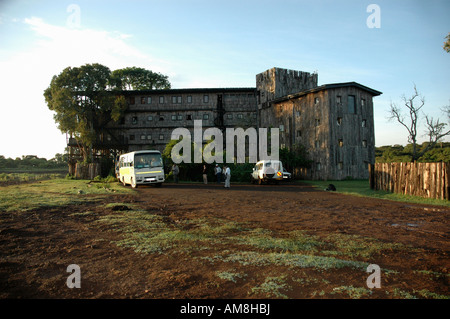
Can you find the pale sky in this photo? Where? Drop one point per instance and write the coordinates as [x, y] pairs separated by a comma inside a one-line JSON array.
[[219, 44]]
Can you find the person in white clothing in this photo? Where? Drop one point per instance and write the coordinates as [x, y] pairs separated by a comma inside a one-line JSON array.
[[218, 172], [227, 177]]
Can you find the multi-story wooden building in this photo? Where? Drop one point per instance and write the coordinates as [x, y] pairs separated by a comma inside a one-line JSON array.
[[334, 122]]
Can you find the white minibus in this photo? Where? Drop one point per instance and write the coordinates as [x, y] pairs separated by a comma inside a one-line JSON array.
[[141, 167]]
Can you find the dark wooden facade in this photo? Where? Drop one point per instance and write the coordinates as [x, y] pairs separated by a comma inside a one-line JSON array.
[[333, 122]]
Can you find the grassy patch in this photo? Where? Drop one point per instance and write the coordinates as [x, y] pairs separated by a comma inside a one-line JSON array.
[[362, 188], [52, 193], [353, 292], [230, 275], [355, 246], [294, 241], [28, 177], [272, 287]]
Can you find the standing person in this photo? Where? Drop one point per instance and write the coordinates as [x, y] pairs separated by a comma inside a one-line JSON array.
[[227, 177], [205, 175], [175, 172], [218, 172]]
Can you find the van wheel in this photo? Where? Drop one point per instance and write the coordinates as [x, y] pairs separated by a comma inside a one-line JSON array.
[[133, 183]]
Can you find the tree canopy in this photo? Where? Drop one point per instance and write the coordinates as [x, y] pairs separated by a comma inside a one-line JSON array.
[[133, 78]]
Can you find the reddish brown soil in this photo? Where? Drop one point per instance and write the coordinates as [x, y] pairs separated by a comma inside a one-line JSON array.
[[37, 246]]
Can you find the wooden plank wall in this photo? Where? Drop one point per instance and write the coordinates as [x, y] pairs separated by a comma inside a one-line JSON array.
[[429, 180], [87, 171]]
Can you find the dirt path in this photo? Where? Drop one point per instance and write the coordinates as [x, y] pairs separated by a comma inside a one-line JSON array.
[[37, 246]]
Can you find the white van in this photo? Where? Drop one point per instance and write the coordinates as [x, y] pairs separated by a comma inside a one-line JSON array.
[[141, 167], [267, 171]]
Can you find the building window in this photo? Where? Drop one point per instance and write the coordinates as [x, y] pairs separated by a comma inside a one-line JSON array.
[[339, 121], [174, 117], [134, 120], [316, 100], [149, 100], [189, 99], [340, 142], [240, 116], [131, 137], [205, 98], [189, 117], [299, 133], [179, 117], [364, 143], [317, 122], [161, 118], [230, 116], [338, 99], [161, 100], [143, 137], [149, 137], [351, 104], [143, 99], [363, 102], [176, 99], [364, 123], [206, 116], [281, 128], [150, 118], [132, 101], [161, 137], [318, 166], [340, 165]]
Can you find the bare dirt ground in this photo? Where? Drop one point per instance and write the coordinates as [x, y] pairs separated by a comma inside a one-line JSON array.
[[37, 246]]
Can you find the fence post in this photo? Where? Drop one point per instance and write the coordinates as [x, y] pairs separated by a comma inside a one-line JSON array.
[[371, 176]]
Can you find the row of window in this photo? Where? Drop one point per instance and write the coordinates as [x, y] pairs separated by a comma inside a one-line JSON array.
[[340, 142], [178, 99], [351, 103], [162, 99], [317, 123], [179, 117], [149, 137]]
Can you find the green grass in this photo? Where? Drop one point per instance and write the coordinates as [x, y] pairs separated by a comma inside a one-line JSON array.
[[53, 193], [362, 188], [28, 177]]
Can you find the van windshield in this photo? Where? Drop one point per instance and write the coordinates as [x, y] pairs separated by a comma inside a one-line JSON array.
[[147, 160]]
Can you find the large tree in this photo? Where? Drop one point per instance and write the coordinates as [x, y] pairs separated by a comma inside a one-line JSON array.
[[435, 129]]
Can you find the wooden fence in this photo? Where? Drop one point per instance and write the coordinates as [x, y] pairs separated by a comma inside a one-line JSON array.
[[430, 180], [86, 171]]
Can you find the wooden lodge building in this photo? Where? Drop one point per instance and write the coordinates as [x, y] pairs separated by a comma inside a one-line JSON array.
[[334, 122]]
